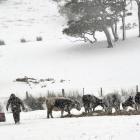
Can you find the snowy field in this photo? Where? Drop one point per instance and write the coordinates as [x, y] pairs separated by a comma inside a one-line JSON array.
[[79, 64], [35, 126]]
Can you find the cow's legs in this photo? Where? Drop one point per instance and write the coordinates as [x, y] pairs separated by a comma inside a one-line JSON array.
[[109, 110], [125, 108], [86, 108], [117, 108], [69, 112], [51, 109], [62, 112], [49, 113], [138, 107], [89, 108], [135, 106], [105, 108], [93, 108]]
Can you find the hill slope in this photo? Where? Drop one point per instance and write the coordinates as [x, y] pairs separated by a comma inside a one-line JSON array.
[[58, 57]]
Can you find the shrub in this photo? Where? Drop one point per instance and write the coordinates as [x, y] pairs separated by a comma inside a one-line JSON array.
[[23, 40], [75, 95], [53, 94], [129, 26], [2, 42], [50, 94], [39, 38], [134, 25], [34, 103], [126, 93]]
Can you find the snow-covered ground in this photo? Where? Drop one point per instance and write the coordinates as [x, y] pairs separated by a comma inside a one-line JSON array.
[[35, 126], [79, 64], [90, 68], [28, 19]]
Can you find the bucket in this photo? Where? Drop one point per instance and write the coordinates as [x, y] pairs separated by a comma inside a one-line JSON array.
[[2, 117]]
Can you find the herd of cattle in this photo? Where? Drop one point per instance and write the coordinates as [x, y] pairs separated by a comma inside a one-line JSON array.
[[90, 102]]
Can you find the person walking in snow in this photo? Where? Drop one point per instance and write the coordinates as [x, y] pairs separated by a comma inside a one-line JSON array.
[[16, 105]]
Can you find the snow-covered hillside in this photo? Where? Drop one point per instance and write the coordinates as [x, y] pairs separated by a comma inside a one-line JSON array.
[[81, 65], [72, 65], [28, 19], [90, 67]]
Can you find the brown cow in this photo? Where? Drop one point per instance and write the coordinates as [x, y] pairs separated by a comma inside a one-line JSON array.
[[61, 104]]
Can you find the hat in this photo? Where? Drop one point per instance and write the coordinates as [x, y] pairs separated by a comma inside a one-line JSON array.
[[12, 95]]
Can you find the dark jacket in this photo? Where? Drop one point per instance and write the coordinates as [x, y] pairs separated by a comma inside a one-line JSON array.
[[15, 103]]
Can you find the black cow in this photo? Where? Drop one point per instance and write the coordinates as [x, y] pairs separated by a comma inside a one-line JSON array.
[[61, 104], [137, 101], [128, 103], [90, 102]]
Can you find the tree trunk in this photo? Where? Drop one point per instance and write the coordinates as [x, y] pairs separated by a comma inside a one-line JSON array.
[[123, 21], [109, 41], [139, 16], [114, 32], [116, 28]]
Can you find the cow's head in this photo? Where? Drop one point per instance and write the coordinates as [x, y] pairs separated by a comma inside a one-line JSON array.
[[101, 102], [77, 105], [128, 102]]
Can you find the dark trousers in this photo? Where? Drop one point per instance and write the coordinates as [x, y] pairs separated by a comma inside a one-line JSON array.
[[16, 116]]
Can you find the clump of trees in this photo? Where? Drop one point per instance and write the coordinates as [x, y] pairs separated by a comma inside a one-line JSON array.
[[85, 17], [34, 103], [92, 16]]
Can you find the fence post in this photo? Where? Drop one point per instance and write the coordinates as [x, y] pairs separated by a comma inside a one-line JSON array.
[[101, 92], [27, 95], [63, 92], [137, 88], [83, 91]]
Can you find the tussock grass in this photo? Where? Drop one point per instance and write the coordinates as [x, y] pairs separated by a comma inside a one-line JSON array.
[[23, 40], [39, 38], [2, 42]]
